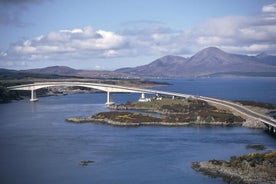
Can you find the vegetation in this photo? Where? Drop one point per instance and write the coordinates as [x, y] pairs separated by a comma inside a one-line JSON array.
[[174, 112], [254, 160], [7, 96], [126, 117], [186, 110], [257, 104]]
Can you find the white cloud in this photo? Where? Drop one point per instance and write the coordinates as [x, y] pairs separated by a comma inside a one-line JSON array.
[[110, 53], [245, 35], [271, 8], [74, 40]]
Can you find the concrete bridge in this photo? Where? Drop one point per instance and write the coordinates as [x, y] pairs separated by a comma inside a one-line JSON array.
[[109, 89]]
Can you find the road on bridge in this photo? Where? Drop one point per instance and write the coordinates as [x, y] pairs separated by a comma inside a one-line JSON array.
[[243, 110]]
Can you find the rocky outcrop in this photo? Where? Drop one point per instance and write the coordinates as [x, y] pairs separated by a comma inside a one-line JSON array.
[[253, 123], [253, 168], [86, 162]]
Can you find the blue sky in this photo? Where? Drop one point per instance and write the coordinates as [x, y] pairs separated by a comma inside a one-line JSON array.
[[110, 34]]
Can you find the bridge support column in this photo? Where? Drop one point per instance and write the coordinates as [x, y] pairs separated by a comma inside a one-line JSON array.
[[109, 99], [270, 128], [33, 96]]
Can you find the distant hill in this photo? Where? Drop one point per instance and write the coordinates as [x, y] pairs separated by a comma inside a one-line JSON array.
[[56, 70], [266, 59], [67, 71], [209, 61], [161, 67], [3, 70]]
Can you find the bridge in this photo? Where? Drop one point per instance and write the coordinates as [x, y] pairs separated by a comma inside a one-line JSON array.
[[109, 89]]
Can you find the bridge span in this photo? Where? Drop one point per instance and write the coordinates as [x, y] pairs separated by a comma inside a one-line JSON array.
[[109, 89]]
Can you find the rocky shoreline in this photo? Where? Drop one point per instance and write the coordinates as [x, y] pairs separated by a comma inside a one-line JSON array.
[[253, 168], [144, 123]]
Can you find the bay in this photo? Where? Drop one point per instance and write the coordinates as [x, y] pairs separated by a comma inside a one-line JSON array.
[[38, 146]]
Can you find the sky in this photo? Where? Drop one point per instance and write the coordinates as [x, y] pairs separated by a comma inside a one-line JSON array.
[[111, 34]]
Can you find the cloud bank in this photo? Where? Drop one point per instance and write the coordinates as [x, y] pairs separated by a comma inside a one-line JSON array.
[[244, 35]]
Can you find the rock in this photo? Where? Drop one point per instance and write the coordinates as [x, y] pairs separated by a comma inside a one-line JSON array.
[[251, 123], [86, 162], [78, 120], [255, 146]]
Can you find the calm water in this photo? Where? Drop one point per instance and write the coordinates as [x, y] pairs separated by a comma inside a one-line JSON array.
[[38, 146]]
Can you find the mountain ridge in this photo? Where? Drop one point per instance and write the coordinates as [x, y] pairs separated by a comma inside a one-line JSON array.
[[208, 61]]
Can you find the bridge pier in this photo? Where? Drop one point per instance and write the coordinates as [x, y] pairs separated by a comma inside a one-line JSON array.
[[33, 96], [271, 129], [109, 99]]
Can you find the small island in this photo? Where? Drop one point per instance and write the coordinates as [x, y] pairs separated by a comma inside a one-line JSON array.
[[252, 168], [165, 112]]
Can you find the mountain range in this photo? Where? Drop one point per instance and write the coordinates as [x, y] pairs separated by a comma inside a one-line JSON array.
[[207, 62]]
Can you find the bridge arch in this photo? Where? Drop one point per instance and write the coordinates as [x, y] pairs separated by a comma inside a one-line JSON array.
[[108, 88]]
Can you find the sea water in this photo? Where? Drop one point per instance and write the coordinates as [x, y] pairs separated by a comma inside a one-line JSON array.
[[37, 145]]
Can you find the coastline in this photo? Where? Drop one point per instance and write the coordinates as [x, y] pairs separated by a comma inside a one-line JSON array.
[[252, 168], [174, 112], [118, 123], [171, 112]]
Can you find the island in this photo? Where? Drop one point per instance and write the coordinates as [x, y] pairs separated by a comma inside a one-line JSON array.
[[164, 112], [252, 168]]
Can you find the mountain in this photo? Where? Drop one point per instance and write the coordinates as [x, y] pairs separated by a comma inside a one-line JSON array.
[[162, 67], [67, 71], [54, 70], [266, 59], [3, 71], [206, 62]]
